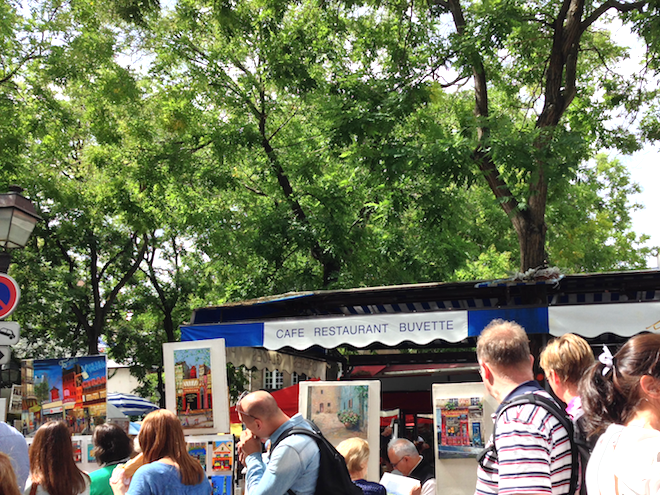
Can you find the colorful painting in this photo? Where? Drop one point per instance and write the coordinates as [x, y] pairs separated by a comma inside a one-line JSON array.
[[345, 410], [459, 423], [193, 381], [90, 453], [221, 485], [198, 451], [69, 389], [77, 451], [222, 456], [339, 412], [196, 385]]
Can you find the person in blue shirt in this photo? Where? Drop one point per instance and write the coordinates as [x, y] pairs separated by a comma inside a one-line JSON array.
[[168, 467], [293, 464], [14, 445]]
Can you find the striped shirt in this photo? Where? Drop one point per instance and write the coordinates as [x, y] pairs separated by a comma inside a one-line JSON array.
[[533, 453]]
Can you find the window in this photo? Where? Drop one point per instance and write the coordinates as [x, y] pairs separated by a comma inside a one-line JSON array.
[[297, 378], [273, 380]]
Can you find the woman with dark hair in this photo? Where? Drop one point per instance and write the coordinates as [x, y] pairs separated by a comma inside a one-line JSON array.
[[621, 400], [168, 468], [111, 447], [52, 468]]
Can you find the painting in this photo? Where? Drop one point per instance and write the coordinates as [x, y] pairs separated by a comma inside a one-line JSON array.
[[214, 452], [198, 451], [344, 410], [68, 389], [196, 385], [222, 455], [460, 426]]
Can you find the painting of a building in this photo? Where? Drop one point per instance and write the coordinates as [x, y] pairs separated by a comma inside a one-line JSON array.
[[193, 384], [340, 412], [459, 423], [71, 389]]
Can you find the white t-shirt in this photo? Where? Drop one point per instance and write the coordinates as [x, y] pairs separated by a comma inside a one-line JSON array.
[[625, 460], [41, 491]]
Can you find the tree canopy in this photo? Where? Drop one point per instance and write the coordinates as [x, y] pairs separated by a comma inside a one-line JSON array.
[[196, 152]]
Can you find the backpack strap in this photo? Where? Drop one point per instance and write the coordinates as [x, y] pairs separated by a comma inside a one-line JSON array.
[[296, 430], [553, 408]]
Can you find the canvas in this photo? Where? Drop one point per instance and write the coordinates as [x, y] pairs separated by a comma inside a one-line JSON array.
[[68, 389], [462, 425], [344, 410], [196, 385]]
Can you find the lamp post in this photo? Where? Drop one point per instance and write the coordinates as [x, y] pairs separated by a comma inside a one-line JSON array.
[[17, 220]]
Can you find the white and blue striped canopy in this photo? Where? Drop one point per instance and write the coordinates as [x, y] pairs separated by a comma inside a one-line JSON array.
[[131, 405], [423, 327]]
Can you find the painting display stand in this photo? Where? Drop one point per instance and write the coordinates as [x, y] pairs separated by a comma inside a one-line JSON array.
[[343, 410], [216, 455], [462, 424]]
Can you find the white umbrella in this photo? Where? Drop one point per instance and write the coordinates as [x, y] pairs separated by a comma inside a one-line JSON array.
[[131, 405]]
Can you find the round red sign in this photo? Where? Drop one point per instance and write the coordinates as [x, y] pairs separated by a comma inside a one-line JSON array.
[[9, 295]]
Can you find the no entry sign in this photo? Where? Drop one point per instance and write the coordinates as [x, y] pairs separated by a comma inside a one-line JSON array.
[[9, 295]]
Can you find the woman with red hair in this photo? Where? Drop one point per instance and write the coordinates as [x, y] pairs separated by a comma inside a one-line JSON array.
[[168, 468]]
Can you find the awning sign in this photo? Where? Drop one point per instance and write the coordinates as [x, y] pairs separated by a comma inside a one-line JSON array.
[[360, 331]]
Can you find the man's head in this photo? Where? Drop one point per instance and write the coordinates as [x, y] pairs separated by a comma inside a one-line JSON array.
[[403, 455], [504, 357], [564, 360], [260, 413]]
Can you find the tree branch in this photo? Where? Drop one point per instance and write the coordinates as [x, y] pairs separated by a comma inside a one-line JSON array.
[[611, 4]]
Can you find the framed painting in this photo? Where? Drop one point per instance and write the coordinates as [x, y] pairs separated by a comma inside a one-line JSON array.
[[196, 385], [344, 410], [462, 426]]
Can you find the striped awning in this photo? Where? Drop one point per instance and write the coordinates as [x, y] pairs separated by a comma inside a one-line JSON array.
[[131, 405], [424, 327]]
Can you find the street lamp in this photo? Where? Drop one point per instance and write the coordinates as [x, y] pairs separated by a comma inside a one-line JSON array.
[[17, 220]]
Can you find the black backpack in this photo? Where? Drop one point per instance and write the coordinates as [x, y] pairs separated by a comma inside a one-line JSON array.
[[580, 448], [333, 474]]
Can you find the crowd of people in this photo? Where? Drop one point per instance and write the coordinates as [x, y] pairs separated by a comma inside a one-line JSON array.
[[613, 403]]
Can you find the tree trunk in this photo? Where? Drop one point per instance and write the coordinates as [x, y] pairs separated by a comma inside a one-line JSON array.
[[531, 241]]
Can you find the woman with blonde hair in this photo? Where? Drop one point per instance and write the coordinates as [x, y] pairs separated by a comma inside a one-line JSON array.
[[52, 468], [356, 454], [168, 468], [8, 483]]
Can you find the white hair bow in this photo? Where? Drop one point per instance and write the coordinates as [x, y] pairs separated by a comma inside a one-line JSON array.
[[607, 359]]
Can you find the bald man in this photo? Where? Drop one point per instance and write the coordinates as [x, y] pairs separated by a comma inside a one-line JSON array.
[[292, 465]]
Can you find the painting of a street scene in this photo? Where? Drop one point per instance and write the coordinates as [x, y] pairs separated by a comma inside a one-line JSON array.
[[460, 426], [69, 389], [193, 383], [340, 412]]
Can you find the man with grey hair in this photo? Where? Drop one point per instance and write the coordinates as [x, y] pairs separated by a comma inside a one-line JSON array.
[[531, 450], [404, 457]]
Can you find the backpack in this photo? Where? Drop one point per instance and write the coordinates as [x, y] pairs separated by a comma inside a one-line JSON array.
[[333, 474], [580, 448]]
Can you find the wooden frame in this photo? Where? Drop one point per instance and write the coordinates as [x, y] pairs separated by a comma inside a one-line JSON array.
[[196, 385], [343, 410]]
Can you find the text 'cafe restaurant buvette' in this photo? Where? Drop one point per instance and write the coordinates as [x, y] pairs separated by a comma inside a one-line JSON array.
[[412, 336]]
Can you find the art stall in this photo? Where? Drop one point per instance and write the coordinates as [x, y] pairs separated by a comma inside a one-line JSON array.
[[374, 323]]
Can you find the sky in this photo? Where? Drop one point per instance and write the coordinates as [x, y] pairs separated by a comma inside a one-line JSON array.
[[645, 170]]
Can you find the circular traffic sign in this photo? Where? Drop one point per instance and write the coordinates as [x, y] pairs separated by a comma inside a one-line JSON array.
[[10, 293]]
